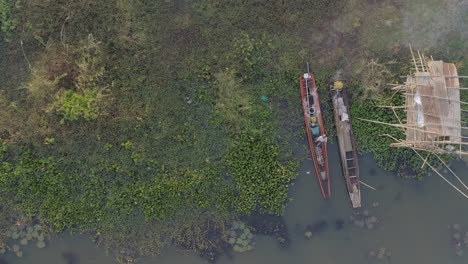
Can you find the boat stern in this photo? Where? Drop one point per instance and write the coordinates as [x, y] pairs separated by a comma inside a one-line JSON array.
[[355, 198]]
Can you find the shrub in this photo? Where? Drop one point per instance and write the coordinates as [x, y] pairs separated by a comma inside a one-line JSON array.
[[261, 179], [7, 21]]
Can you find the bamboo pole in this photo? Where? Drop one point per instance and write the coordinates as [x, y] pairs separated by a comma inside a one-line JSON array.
[[422, 63], [395, 125], [459, 88], [425, 160], [439, 116], [439, 97], [414, 60], [428, 76], [454, 174], [438, 142], [432, 168], [394, 106], [367, 185], [432, 150], [438, 173]]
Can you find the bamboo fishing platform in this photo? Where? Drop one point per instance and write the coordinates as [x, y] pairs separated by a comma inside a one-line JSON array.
[[433, 108]]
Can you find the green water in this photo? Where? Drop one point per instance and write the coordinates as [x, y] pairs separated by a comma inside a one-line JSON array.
[[413, 225]]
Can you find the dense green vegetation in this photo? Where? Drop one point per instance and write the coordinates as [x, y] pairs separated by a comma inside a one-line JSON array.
[[125, 126], [150, 123]]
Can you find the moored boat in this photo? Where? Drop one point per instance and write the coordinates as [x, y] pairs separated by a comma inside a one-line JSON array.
[[346, 143], [315, 130]]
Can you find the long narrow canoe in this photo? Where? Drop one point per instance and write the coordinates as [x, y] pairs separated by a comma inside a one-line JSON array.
[[315, 131], [347, 146]]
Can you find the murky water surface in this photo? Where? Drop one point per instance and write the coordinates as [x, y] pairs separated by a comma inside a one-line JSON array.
[[413, 220]]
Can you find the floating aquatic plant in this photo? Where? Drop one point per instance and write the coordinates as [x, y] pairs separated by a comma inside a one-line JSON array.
[[24, 241], [15, 235], [240, 237], [40, 244], [15, 248], [19, 254]]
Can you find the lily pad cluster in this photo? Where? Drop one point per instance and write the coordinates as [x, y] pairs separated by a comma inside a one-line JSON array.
[[381, 253], [22, 235], [459, 239], [364, 219], [240, 237]]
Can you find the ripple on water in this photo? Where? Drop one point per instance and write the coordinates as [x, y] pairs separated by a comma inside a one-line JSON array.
[[318, 227], [71, 258], [339, 224]]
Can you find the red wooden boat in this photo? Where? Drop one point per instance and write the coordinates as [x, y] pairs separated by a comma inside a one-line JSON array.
[[315, 131]]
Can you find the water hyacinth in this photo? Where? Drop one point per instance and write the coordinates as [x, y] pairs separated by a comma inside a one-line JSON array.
[[380, 254], [24, 242], [15, 235], [8, 233], [2, 250], [40, 244], [19, 254], [15, 248]]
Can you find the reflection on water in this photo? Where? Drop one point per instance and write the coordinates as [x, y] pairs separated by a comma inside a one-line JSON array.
[[414, 223]]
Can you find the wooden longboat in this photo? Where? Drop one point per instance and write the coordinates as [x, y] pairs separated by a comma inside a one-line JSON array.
[[315, 130], [346, 143]]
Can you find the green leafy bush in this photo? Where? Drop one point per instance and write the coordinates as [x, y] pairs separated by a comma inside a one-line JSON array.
[[232, 102], [7, 22], [371, 137], [249, 56], [73, 106], [261, 179]]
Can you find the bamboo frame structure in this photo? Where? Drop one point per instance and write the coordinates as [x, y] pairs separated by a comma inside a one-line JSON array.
[[433, 108]]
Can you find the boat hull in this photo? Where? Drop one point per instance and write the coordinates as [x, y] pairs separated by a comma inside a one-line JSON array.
[[317, 145], [346, 144]]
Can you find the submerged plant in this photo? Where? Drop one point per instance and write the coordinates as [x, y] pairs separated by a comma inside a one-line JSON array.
[[262, 180], [240, 237]]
